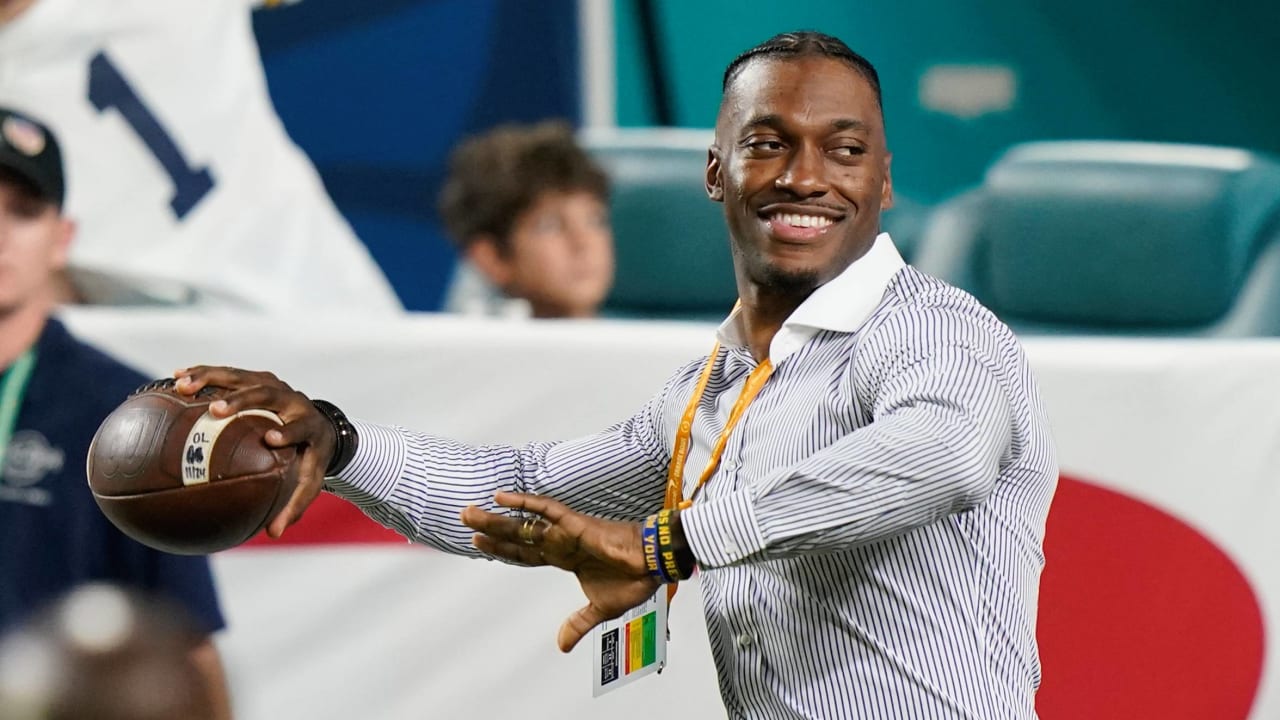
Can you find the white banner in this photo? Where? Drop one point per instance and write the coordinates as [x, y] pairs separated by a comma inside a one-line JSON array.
[[1159, 585], [180, 176]]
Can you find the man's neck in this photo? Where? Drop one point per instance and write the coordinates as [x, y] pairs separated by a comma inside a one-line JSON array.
[[19, 330], [763, 312]]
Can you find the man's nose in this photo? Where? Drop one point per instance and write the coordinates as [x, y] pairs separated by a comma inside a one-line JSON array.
[[806, 173]]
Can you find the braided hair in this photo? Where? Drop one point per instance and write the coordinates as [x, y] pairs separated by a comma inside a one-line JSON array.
[[806, 43]]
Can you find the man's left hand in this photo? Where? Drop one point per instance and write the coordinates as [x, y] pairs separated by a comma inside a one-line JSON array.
[[606, 555]]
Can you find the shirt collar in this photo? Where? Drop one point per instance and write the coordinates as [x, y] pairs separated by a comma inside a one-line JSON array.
[[841, 305]]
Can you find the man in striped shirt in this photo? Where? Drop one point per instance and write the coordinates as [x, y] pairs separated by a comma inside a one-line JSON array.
[[878, 464]]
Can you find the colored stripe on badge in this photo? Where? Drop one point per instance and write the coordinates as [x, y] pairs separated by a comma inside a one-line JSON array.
[[642, 638]]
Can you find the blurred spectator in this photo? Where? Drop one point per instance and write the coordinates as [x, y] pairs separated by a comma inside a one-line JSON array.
[[101, 652], [185, 185], [528, 210], [54, 392]]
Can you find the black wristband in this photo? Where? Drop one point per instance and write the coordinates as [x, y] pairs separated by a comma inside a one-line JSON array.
[[684, 554], [344, 431], [673, 551]]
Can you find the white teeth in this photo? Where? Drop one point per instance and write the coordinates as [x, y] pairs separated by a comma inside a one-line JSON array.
[[804, 221]]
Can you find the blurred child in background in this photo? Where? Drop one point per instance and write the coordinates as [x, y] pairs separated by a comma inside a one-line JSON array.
[[528, 210]]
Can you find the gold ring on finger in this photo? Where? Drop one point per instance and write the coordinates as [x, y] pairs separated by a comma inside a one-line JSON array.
[[526, 531]]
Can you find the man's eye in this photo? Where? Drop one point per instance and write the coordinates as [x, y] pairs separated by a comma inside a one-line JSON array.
[[851, 150], [766, 145]]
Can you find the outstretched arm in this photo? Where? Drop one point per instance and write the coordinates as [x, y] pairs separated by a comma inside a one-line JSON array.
[[419, 484]]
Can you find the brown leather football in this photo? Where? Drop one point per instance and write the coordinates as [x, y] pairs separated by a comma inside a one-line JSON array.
[[172, 476]]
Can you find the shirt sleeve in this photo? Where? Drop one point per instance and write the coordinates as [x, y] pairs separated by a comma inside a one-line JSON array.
[[941, 424], [418, 485]]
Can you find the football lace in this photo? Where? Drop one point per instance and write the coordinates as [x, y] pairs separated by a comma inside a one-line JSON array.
[[170, 385]]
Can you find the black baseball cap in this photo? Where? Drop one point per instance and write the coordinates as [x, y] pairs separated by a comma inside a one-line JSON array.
[[29, 150]]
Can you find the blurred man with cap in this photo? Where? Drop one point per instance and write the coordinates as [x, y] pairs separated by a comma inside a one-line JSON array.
[[54, 391]]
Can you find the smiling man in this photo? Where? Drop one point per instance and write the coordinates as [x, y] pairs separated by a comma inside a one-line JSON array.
[[860, 468], [801, 147]]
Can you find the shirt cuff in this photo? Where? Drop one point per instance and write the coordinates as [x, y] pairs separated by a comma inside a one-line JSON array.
[[374, 469], [722, 531]]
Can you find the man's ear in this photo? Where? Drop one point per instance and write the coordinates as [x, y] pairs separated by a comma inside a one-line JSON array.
[[714, 184], [62, 243], [64, 288], [886, 189], [483, 253]]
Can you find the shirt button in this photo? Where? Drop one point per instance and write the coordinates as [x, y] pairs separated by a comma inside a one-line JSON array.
[[730, 465], [731, 549], [745, 640]]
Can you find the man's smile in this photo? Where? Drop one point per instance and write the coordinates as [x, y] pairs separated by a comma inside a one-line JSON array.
[[798, 222]]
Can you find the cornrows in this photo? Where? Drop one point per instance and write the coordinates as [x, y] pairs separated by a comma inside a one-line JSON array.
[[806, 43]]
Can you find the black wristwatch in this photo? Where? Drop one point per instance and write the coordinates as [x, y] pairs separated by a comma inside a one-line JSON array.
[[344, 431]]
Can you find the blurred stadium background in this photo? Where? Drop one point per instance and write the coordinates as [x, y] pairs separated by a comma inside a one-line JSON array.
[[377, 93], [1102, 174]]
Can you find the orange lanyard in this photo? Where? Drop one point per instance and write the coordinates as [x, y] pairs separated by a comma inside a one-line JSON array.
[[680, 453]]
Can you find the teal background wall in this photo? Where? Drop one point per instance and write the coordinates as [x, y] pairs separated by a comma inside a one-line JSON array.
[[1178, 71]]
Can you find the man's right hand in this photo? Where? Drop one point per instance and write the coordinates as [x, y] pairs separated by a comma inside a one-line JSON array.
[[304, 427]]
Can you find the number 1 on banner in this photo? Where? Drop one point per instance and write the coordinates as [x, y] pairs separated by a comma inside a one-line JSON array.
[[109, 89]]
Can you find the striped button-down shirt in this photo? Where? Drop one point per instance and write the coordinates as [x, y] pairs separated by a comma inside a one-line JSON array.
[[870, 545]]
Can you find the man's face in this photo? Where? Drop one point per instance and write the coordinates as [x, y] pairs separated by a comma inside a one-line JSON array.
[[34, 239], [559, 255], [801, 166]]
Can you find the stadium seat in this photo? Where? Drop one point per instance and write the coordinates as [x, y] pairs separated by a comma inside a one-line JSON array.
[[672, 246], [1118, 238], [905, 223]]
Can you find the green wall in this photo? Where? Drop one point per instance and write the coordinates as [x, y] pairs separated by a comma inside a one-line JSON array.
[[1179, 71]]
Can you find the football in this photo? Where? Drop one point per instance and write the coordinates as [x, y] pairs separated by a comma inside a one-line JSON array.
[[172, 476]]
